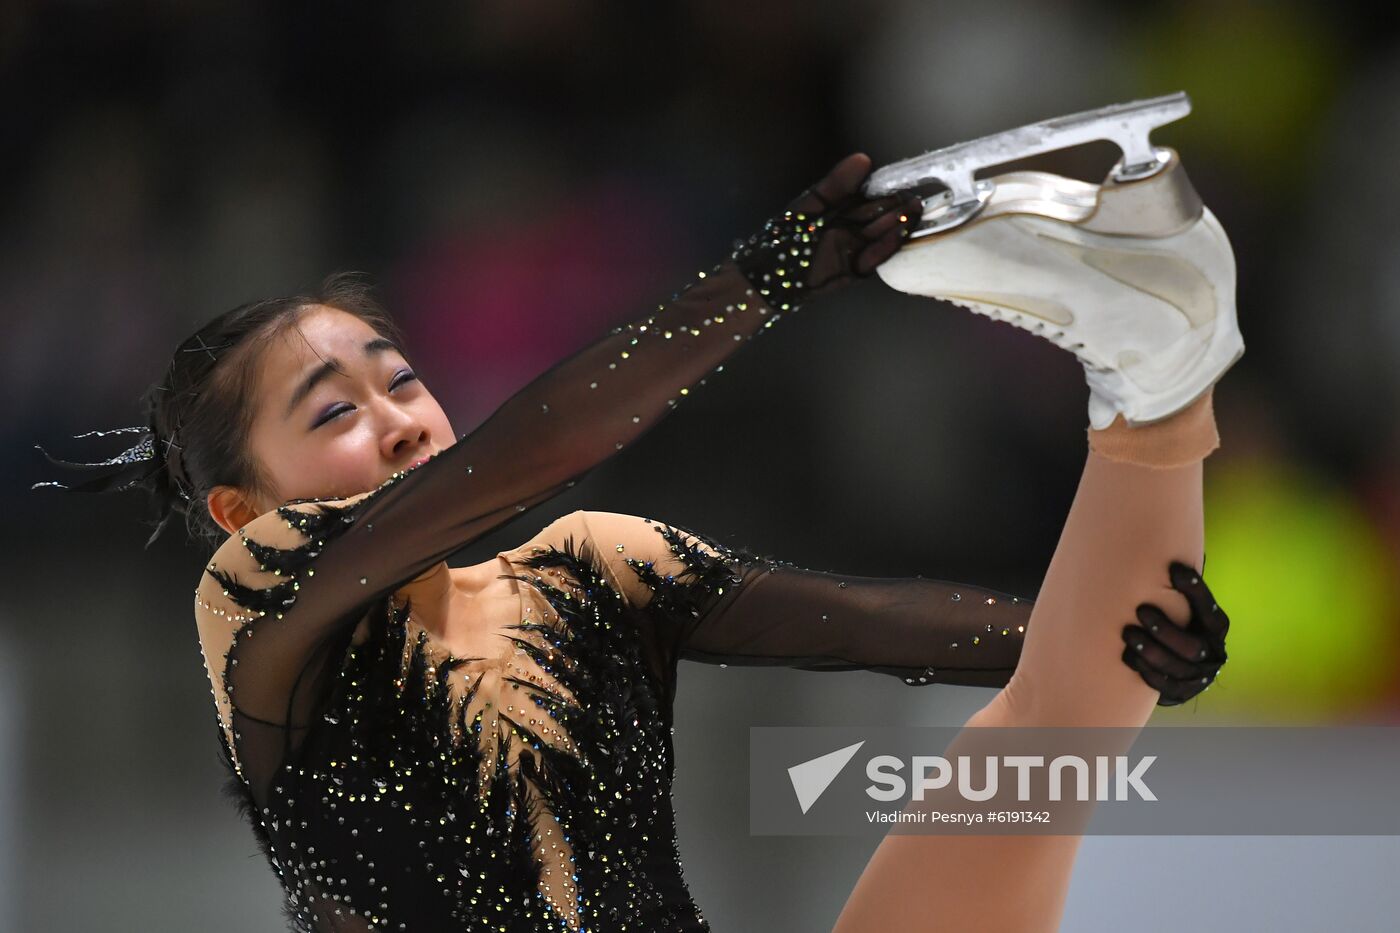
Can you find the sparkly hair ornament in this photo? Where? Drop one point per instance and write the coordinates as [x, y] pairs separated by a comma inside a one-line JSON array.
[[138, 466], [154, 462]]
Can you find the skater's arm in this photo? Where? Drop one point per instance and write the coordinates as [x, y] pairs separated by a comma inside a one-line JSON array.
[[281, 598], [710, 603]]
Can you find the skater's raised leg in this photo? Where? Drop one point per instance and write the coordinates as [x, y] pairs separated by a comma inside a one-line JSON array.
[[1129, 522], [1137, 279]]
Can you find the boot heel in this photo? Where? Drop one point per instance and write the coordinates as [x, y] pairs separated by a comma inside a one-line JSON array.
[[1158, 206]]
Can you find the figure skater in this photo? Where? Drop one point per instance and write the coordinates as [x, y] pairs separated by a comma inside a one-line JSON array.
[[425, 747]]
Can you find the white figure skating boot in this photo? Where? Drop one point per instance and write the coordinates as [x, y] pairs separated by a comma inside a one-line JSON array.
[[1134, 276]]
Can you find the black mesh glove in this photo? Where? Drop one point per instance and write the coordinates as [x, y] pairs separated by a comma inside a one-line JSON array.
[[829, 235], [1179, 661]]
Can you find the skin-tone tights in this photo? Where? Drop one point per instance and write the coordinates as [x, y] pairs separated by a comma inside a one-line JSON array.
[[1138, 507]]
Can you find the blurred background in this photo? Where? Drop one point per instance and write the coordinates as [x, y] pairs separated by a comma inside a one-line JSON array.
[[520, 176]]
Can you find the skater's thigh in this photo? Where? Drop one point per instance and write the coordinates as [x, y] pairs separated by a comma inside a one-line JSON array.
[[998, 884], [1015, 884]]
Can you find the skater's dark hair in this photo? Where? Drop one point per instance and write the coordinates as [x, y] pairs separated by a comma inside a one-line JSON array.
[[199, 416]]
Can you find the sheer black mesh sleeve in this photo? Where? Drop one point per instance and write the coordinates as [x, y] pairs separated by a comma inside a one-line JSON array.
[[284, 594], [287, 592], [720, 605], [715, 604]]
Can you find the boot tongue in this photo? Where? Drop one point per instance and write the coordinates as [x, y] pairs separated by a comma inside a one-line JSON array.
[[1101, 410]]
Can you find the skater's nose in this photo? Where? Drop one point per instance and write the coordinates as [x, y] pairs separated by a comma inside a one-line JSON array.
[[404, 435]]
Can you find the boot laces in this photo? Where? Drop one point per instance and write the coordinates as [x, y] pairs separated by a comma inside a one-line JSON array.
[[1040, 328]]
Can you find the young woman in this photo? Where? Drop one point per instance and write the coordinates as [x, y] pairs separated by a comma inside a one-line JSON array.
[[426, 747]]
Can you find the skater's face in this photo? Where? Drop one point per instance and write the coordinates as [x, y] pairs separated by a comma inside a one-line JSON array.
[[337, 410]]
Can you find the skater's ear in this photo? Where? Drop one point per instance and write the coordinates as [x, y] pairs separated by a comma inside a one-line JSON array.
[[231, 508]]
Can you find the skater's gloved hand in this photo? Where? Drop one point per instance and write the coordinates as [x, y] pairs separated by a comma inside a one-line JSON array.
[[1179, 661], [829, 235]]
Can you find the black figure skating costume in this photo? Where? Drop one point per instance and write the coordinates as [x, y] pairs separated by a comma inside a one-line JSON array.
[[395, 786]]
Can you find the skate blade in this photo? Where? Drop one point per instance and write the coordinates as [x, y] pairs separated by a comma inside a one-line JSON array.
[[1128, 125]]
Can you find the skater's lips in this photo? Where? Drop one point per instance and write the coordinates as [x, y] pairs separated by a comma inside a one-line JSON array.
[[417, 463]]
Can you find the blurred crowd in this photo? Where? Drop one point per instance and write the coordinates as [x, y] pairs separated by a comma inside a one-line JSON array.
[[519, 176]]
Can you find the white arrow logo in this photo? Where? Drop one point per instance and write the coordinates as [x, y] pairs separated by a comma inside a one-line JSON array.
[[810, 779]]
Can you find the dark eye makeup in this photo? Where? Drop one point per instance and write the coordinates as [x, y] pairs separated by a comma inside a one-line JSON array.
[[402, 377]]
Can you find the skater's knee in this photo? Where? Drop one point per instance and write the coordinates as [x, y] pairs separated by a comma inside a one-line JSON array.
[[1029, 701], [1003, 711]]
